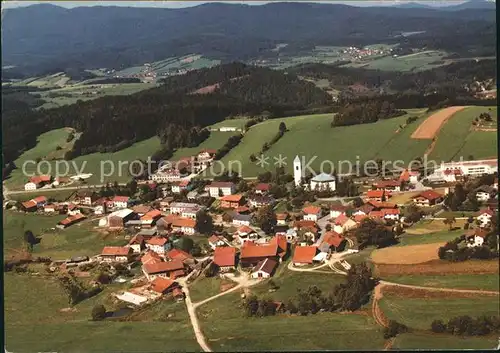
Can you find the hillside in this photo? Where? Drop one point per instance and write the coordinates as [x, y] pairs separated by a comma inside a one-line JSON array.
[[112, 123], [44, 37]]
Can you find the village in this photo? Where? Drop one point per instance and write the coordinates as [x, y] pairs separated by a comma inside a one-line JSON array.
[[249, 228]]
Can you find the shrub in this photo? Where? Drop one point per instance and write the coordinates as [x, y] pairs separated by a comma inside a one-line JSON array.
[[98, 313], [394, 329]]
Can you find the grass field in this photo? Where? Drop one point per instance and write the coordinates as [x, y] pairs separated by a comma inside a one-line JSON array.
[[227, 329], [91, 163], [480, 145], [452, 140], [426, 226], [215, 141], [462, 281], [416, 341], [237, 123], [312, 135], [77, 240], [437, 237], [413, 62], [418, 313], [34, 322], [46, 145], [56, 194], [204, 287]]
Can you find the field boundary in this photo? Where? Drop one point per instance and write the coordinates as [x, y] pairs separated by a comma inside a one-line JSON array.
[[431, 126]]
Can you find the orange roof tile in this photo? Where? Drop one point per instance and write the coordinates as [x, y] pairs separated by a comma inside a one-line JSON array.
[[225, 256], [333, 238], [429, 195], [304, 254], [375, 193], [115, 251], [157, 241], [178, 254], [311, 210], [232, 198], [151, 215], [40, 199], [160, 284], [252, 250], [151, 257], [159, 267], [184, 222], [245, 229]]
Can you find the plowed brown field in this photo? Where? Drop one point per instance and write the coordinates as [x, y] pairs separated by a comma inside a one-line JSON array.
[[431, 126], [438, 267], [406, 255]]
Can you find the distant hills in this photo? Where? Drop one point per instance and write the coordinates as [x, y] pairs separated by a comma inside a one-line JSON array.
[[468, 5], [47, 38]]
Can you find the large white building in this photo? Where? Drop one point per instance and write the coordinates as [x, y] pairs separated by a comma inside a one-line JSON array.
[[473, 168], [323, 181]]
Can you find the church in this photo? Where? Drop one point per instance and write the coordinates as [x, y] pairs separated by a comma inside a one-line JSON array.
[[321, 181]]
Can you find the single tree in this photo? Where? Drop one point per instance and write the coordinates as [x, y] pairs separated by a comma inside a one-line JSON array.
[[204, 222], [266, 219]]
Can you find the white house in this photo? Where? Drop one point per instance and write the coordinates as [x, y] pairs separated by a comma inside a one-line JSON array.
[[337, 210], [484, 193], [215, 241], [137, 244], [49, 208], [241, 219], [180, 186], [227, 128], [184, 225], [99, 209], [115, 254], [392, 214], [166, 176], [159, 245], [221, 188], [264, 268], [30, 186], [474, 241], [184, 207], [323, 181], [120, 201], [485, 217], [312, 213]]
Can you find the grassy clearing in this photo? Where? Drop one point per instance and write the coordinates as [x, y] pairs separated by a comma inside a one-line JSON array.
[[70, 331], [456, 214], [215, 141], [228, 330], [413, 62], [431, 226], [415, 341], [46, 144], [204, 287], [453, 136], [463, 281], [312, 135], [438, 237], [53, 193], [78, 240], [480, 144], [237, 123], [289, 282], [418, 313], [403, 198]]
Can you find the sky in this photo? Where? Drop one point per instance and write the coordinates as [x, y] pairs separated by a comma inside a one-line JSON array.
[[180, 4]]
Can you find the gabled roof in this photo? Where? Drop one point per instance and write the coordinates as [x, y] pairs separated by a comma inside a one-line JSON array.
[[251, 250], [29, 204], [338, 207], [366, 208], [161, 284], [136, 239], [267, 266], [387, 183], [429, 195], [232, 198], [341, 219], [311, 210], [281, 216], [142, 209], [157, 241], [323, 178], [304, 254], [333, 238], [39, 199], [184, 222], [487, 211], [225, 256], [214, 239], [245, 230], [375, 193], [241, 209], [390, 211], [263, 187], [305, 224], [280, 240], [359, 218], [379, 205], [151, 215], [178, 254], [151, 257], [120, 199], [160, 267], [376, 214], [115, 251]]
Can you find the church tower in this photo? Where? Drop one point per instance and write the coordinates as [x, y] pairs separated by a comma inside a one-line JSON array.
[[297, 171]]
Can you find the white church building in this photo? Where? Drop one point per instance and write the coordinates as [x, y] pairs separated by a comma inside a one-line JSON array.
[[321, 181]]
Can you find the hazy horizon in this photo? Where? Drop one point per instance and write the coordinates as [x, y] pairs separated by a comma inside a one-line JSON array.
[[183, 4]]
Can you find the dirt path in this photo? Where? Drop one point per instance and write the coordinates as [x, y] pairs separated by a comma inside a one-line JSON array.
[[195, 305], [430, 127], [200, 338], [441, 289]]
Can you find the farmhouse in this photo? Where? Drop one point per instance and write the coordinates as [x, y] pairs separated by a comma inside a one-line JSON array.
[[86, 198], [118, 219], [241, 219], [151, 258], [264, 268], [184, 225], [120, 201], [40, 201], [377, 195], [231, 201], [303, 255], [282, 219], [37, 182], [389, 185], [260, 200], [485, 216], [169, 269], [180, 186], [323, 181], [337, 210], [141, 210], [281, 242], [159, 245], [206, 155], [137, 244], [29, 206], [225, 258], [68, 221], [252, 254], [216, 240], [186, 208], [475, 237], [73, 209], [49, 208], [245, 233], [262, 188], [312, 213], [484, 193], [343, 224], [116, 254], [427, 198], [409, 176], [163, 285], [150, 218], [165, 176], [181, 255], [218, 188], [363, 210], [334, 241]]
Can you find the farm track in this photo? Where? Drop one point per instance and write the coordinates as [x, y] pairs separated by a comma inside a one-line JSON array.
[[431, 126]]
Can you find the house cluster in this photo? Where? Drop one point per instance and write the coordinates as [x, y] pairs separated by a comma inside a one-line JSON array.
[[40, 181], [455, 171], [175, 171]]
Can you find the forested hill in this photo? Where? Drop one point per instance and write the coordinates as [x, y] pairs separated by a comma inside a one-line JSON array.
[[47, 37], [177, 116]]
